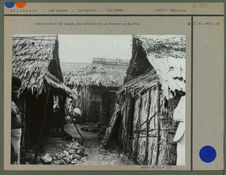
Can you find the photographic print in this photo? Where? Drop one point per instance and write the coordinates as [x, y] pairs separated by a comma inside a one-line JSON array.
[[98, 100]]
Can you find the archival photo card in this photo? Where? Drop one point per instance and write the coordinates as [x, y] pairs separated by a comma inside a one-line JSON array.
[[119, 86], [98, 99]]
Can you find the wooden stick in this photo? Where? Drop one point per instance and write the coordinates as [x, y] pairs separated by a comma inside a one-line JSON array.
[[138, 129], [158, 125], [130, 128], [78, 132], [112, 123], [147, 129], [149, 119]]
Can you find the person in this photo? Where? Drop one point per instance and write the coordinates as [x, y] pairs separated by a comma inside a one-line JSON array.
[[16, 122], [77, 115], [56, 115]]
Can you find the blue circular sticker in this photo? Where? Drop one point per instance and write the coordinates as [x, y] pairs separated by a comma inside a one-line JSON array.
[[9, 4], [207, 154]]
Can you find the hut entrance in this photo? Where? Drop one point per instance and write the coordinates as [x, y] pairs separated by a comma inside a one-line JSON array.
[[96, 103], [95, 109]]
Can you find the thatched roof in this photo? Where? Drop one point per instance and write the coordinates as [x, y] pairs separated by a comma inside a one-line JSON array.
[[97, 75], [140, 84], [167, 56], [32, 55], [56, 84]]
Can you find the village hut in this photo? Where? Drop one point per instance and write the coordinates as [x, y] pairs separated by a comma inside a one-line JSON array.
[[96, 84], [35, 61], [143, 114]]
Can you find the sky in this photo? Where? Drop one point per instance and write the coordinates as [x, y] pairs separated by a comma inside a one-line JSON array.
[[82, 48]]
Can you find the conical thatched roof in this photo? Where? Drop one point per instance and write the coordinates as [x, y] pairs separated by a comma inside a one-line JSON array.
[[32, 56]]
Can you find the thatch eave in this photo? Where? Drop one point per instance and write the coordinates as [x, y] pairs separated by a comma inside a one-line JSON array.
[[167, 56], [56, 84], [139, 85]]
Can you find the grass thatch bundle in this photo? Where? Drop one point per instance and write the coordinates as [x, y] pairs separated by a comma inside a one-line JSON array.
[[162, 46], [32, 55], [97, 75], [31, 58], [167, 55], [139, 85]]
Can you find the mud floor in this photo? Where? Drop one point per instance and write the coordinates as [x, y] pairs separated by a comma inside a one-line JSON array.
[[93, 154]]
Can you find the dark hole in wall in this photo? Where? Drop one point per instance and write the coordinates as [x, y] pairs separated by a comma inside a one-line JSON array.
[[139, 64], [33, 117]]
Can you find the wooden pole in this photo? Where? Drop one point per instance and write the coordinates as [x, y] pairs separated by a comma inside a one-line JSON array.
[[147, 129], [126, 124], [109, 130], [130, 123], [138, 130], [79, 132], [158, 125]]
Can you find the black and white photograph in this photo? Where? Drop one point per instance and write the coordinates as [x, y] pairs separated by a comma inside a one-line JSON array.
[[98, 99]]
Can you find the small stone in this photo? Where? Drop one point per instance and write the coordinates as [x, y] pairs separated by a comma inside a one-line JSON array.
[[74, 161], [66, 159], [79, 151], [71, 157], [46, 158], [59, 156], [71, 151], [58, 162], [76, 156], [66, 153]]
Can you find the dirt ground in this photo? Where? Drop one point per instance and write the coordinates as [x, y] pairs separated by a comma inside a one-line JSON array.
[[94, 155]]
